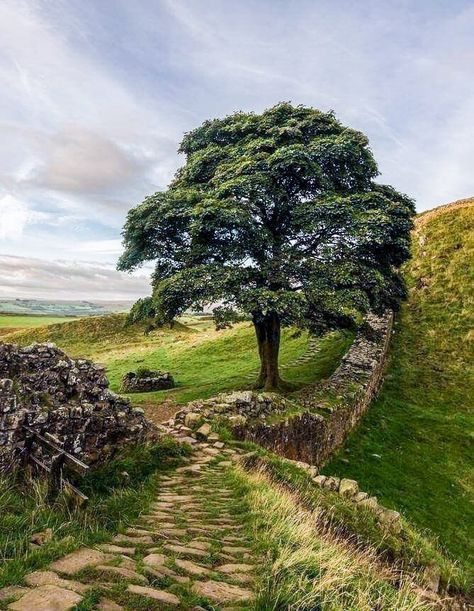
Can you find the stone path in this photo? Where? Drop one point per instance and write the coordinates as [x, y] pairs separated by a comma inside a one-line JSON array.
[[191, 549]]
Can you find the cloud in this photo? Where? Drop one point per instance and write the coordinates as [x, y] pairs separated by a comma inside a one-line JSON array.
[[26, 277], [79, 160]]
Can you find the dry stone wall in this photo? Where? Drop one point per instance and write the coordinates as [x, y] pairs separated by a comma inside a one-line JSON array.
[[333, 408], [41, 387]]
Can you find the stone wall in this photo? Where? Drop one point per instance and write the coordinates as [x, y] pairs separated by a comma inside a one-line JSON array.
[[332, 409], [41, 387]]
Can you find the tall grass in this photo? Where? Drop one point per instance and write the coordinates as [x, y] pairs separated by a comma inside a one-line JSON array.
[[308, 567]]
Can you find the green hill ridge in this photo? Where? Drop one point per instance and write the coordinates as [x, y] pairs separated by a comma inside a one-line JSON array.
[[414, 447]]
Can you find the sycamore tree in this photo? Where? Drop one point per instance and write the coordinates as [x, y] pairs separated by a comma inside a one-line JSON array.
[[275, 216]]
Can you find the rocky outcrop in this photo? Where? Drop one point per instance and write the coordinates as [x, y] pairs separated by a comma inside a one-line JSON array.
[[41, 387], [147, 382]]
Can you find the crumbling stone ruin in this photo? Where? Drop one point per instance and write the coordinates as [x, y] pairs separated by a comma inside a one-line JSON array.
[[147, 381], [41, 387]]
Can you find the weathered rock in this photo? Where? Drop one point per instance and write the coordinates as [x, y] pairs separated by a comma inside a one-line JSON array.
[[369, 502], [348, 487], [191, 568], [235, 568], [319, 480], [149, 381], [41, 387], [12, 592], [431, 577], [42, 537], [121, 571], [185, 551], [42, 578], [203, 432], [159, 595], [221, 592], [78, 560], [154, 560], [116, 549], [192, 419], [47, 598]]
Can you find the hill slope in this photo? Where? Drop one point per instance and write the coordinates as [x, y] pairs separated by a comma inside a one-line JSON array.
[[414, 447]]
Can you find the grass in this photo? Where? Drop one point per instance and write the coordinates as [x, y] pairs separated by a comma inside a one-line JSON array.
[[203, 361], [412, 550], [414, 447], [12, 322], [114, 503], [305, 564]]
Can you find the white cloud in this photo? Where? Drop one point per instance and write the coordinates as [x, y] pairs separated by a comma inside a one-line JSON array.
[[71, 280]]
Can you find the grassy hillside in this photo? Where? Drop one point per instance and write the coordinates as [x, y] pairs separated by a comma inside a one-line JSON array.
[[414, 447], [202, 360]]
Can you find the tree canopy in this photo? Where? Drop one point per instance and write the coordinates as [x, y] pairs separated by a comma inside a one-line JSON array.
[[275, 215]]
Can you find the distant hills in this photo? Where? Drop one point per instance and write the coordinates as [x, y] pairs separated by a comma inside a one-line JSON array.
[[42, 307]]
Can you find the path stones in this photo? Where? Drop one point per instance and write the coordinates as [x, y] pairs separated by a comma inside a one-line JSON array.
[[47, 598], [229, 549], [185, 551], [159, 595], [12, 592], [221, 592], [116, 549], [78, 560], [43, 578], [183, 508], [235, 568], [191, 568], [121, 571], [154, 560]]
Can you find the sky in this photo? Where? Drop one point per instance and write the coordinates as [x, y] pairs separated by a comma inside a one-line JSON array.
[[97, 94]]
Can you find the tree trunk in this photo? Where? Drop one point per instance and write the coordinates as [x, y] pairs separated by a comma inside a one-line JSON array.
[[267, 330]]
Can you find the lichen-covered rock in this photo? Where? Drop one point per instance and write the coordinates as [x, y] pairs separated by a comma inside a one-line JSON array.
[[44, 389], [348, 487], [149, 382], [236, 407]]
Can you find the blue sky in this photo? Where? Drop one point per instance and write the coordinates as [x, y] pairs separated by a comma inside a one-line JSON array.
[[97, 94]]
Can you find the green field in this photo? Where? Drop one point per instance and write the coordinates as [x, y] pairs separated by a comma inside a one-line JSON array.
[[414, 448], [15, 321]]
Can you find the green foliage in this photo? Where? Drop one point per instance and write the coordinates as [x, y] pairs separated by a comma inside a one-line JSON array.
[[143, 309], [414, 447], [143, 372], [276, 213]]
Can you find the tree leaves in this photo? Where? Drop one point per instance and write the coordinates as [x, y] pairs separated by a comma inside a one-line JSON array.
[[275, 212]]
